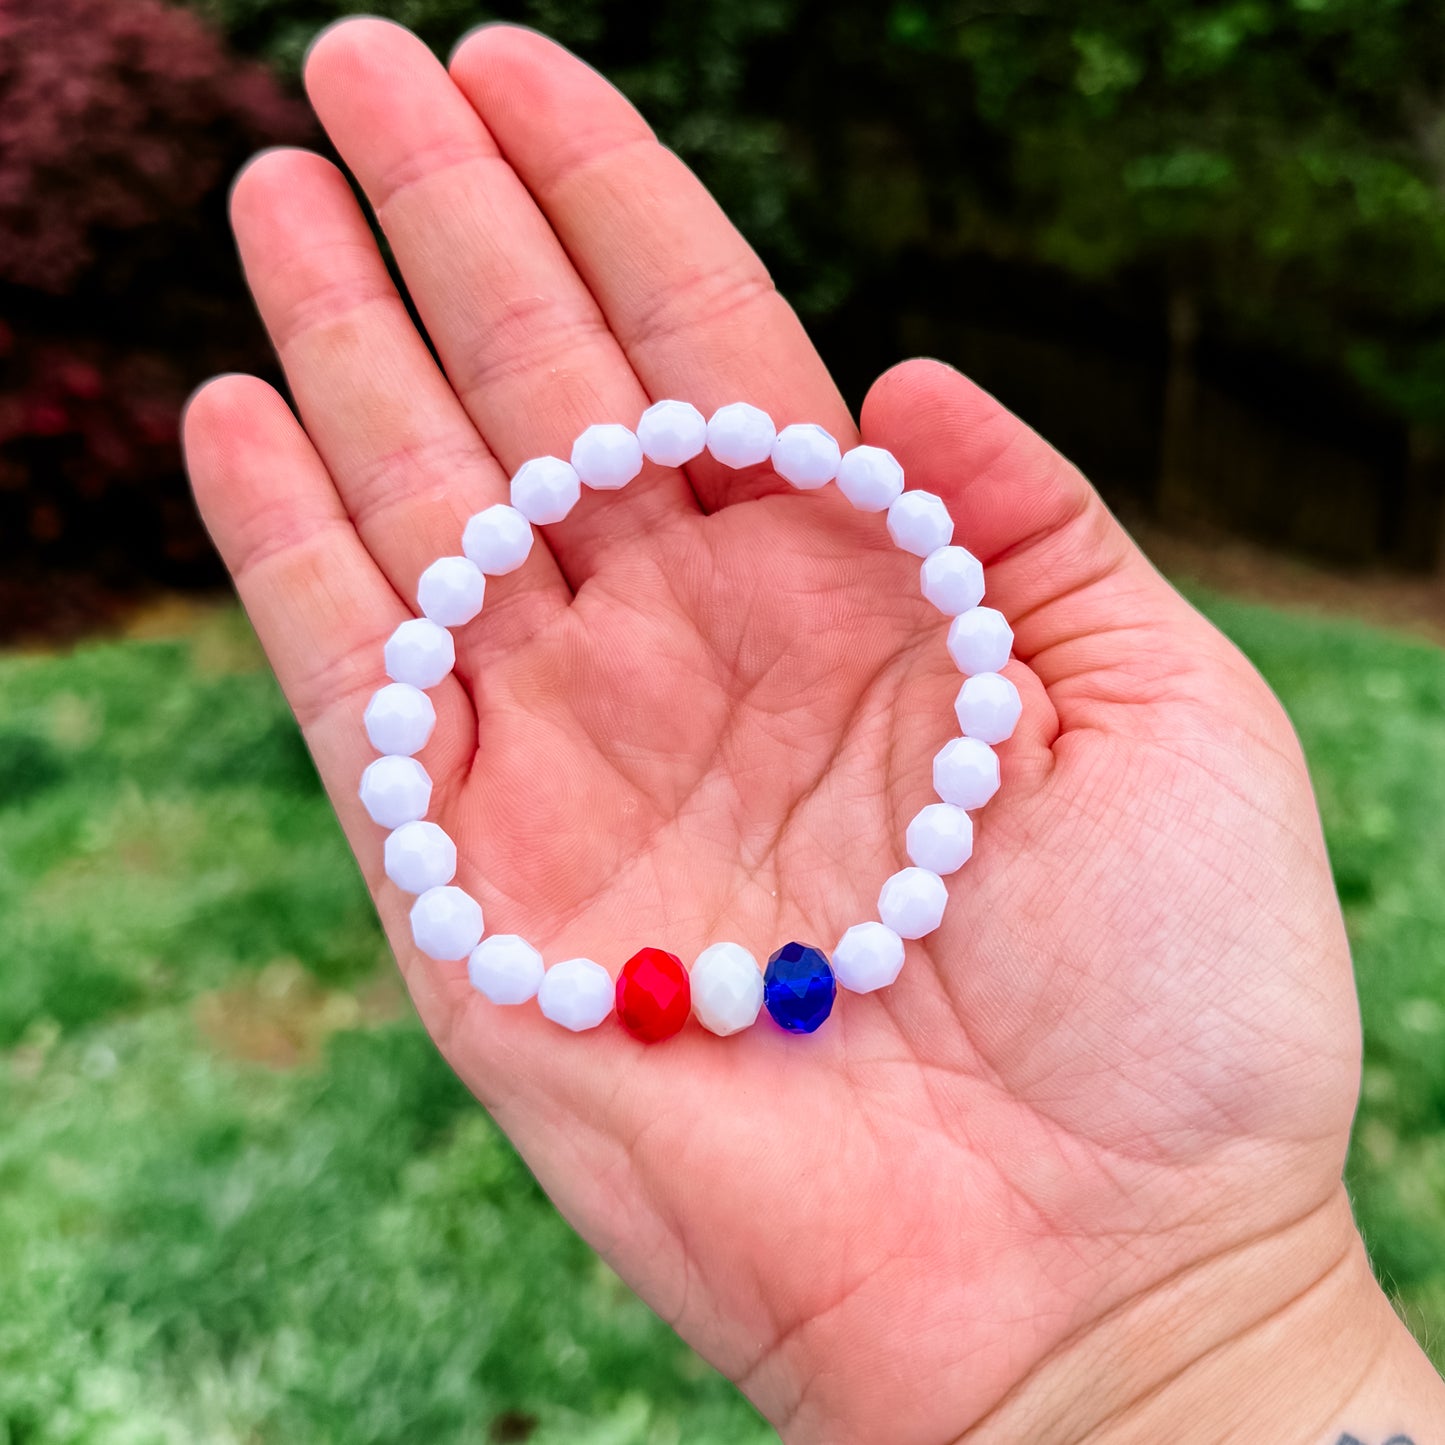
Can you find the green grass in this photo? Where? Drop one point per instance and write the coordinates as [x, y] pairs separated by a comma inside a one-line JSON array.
[[241, 1199]]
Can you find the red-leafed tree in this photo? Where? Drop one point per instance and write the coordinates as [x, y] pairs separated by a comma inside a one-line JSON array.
[[120, 127]]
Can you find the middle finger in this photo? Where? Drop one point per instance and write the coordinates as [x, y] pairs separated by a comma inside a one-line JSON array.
[[523, 341]]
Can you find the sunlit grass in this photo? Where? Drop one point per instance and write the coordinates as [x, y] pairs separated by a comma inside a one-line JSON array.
[[241, 1199]]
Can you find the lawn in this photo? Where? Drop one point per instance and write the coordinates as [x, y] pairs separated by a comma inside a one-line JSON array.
[[241, 1199]]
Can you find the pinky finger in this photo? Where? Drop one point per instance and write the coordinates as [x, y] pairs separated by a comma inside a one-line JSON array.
[[320, 605]]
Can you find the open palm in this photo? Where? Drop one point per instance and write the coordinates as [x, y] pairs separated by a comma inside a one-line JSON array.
[[706, 708]]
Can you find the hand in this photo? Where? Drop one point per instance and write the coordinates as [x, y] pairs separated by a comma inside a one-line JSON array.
[[1102, 1114]]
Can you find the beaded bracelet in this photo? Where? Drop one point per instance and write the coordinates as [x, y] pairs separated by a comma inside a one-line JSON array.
[[654, 992]]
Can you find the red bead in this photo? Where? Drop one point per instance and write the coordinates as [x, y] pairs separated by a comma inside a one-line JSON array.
[[654, 997]]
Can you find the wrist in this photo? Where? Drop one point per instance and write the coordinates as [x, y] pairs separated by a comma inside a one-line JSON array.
[[1284, 1338]]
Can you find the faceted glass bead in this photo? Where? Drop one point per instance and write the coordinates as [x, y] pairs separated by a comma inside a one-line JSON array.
[[446, 923], [980, 640], [576, 993], [505, 968], [919, 523], [653, 996], [727, 988], [868, 956], [912, 902], [988, 707], [805, 455], [498, 539], [399, 719], [870, 478], [940, 838], [395, 791], [740, 435], [607, 456], [419, 856], [965, 773], [450, 591], [799, 988], [672, 432], [952, 579], [420, 652], [545, 489]]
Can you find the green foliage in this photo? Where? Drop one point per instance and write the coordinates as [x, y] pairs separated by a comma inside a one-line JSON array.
[[1280, 159], [199, 1244]]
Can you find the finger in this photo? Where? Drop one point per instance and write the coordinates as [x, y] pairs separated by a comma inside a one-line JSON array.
[[1091, 617], [687, 297], [408, 463], [521, 338], [320, 606]]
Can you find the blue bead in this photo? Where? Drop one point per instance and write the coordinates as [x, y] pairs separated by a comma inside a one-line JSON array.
[[799, 987]]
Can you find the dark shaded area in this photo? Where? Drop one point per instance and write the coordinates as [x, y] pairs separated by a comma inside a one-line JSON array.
[[1202, 248]]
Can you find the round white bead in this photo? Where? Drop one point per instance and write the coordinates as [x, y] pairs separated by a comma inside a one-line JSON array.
[[912, 902], [497, 539], [446, 923], [420, 652], [805, 455], [420, 856], [940, 838], [980, 640], [505, 968], [867, 957], [399, 719], [607, 456], [870, 478], [919, 523], [727, 988], [740, 435], [395, 791], [545, 489], [450, 591], [577, 993], [952, 579], [988, 707], [965, 773], [672, 432]]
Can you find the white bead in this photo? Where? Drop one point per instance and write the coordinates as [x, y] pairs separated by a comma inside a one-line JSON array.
[[446, 923], [980, 640], [607, 456], [919, 523], [868, 956], [988, 707], [912, 902], [965, 773], [727, 988], [399, 719], [450, 591], [805, 455], [870, 478], [740, 435], [395, 791], [952, 579], [420, 652], [672, 432], [545, 489], [940, 838], [577, 993], [505, 968], [497, 539], [420, 856]]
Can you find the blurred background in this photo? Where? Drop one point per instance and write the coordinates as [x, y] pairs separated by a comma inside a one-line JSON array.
[[1201, 246]]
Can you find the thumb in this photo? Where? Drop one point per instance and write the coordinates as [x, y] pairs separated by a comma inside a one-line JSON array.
[[1108, 637]]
